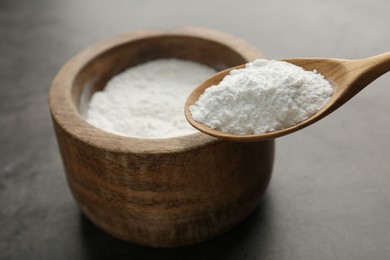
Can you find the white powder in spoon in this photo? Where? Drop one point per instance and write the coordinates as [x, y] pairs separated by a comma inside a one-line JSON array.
[[262, 97], [146, 101]]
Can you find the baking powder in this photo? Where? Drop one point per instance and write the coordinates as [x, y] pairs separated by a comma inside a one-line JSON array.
[[262, 97], [147, 101]]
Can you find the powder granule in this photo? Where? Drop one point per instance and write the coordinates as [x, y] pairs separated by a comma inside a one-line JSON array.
[[262, 97], [146, 101]]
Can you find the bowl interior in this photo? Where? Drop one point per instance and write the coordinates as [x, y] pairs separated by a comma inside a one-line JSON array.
[[95, 74]]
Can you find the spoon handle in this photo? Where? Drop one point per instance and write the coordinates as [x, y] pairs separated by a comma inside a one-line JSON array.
[[362, 72]]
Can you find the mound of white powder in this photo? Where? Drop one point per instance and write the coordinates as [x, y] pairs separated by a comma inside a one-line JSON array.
[[146, 101], [262, 97]]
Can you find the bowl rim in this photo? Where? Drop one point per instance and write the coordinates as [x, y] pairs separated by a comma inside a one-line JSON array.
[[67, 117]]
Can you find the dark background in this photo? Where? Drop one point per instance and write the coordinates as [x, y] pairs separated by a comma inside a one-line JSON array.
[[329, 197]]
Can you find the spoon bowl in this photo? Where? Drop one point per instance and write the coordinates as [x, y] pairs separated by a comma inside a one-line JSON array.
[[347, 77]]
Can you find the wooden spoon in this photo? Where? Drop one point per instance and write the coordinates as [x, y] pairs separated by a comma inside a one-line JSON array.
[[347, 77]]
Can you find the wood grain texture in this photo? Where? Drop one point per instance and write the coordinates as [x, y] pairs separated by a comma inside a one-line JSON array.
[[157, 192], [348, 77]]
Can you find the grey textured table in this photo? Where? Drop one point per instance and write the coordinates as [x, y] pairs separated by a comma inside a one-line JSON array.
[[329, 197]]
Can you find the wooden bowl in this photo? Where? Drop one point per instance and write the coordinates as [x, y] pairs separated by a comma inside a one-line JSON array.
[[156, 192]]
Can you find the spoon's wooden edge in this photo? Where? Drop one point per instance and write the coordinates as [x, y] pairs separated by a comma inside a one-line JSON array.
[[253, 137], [214, 80]]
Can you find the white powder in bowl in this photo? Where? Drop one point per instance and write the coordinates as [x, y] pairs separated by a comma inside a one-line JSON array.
[[262, 97], [146, 101]]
